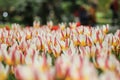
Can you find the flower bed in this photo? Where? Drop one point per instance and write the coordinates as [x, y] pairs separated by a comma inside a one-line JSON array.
[[60, 52]]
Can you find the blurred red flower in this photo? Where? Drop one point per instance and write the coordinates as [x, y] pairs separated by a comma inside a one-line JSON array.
[[55, 27], [78, 24], [7, 27]]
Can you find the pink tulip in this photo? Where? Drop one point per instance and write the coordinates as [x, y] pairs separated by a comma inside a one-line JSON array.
[[105, 28], [56, 51]]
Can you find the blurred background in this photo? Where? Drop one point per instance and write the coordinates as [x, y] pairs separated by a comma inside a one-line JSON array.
[[87, 12]]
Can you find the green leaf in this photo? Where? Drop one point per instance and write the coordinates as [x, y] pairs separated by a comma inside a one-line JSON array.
[[11, 77]]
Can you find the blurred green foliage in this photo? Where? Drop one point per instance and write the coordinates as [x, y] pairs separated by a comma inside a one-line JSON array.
[[17, 11], [104, 5]]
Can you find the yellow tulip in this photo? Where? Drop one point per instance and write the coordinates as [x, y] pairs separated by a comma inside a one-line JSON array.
[[83, 43], [1, 58], [68, 78], [8, 61], [3, 76], [3, 72], [28, 36]]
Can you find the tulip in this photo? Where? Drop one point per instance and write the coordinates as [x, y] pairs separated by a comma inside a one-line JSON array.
[[55, 28], [72, 25], [80, 30], [117, 33], [19, 37], [24, 73], [63, 35], [82, 40], [74, 32], [109, 75], [115, 41], [76, 41], [30, 56], [2, 38], [23, 45], [63, 45], [50, 24], [14, 57], [62, 26], [39, 43], [105, 29], [36, 24], [15, 26], [68, 32], [28, 35], [49, 39], [1, 54], [7, 28], [76, 51], [87, 31], [86, 71], [62, 64], [3, 72], [6, 56], [78, 24], [56, 51], [32, 73], [89, 41]]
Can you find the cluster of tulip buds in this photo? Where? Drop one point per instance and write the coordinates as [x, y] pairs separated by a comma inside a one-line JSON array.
[[65, 52]]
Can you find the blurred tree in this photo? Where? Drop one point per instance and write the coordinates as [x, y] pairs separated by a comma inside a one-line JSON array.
[[18, 8], [104, 5], [7, 4]]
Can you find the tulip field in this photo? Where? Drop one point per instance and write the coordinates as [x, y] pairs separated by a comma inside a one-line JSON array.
[[59, 52]]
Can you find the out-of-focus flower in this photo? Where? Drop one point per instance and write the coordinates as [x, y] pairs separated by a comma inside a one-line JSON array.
[[55, 28], [68, 31], [7, 28], [76, 40], [23, 45], [115, 41], [117, 34], [50, 24], [69, 52], [97, 36], [39, 70], [56, 51], [62, 64], [36, 24], [80, 30], [15, 26], [83, 40], [62, 26], [78, 24], [1, 53], [28, 35], [25, 73], [32, 73], [13, 56], [109, 75], [105, 28], [72, 25], [88, 31], [1, 56], [89, 41], [3, 71], [63, 35]]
